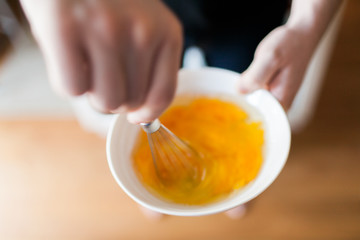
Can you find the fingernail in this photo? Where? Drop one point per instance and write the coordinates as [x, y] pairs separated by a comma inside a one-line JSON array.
[[242, 89], [120, 110], [240, 86], [141, 116]]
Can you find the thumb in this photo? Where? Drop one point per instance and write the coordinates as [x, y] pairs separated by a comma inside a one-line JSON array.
[[260, 73]]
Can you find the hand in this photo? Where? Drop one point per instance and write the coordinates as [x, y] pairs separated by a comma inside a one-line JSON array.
[[124, 53], [282, 57], [279, 64]]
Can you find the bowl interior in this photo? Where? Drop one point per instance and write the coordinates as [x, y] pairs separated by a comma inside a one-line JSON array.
[[211, 82]]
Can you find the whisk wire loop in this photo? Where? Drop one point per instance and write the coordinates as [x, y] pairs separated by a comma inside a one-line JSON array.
[[174, 160]]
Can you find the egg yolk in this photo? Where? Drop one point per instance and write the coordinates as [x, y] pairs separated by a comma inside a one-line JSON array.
[[230, 143]]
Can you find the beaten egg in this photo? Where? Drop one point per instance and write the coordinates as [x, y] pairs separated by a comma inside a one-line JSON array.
[[230, 142]]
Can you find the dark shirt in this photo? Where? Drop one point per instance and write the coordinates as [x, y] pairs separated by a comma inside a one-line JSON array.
[[226, 16], [228, 31]]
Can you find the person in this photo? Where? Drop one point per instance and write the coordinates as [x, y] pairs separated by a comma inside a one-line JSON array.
[[125, 54]]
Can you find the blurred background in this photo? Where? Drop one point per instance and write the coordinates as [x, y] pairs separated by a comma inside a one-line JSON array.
[[55, 182]]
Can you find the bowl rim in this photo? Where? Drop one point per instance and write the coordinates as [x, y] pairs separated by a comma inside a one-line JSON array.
[[193, 211]]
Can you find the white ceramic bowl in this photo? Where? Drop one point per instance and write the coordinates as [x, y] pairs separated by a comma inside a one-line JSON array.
[[213, 82]]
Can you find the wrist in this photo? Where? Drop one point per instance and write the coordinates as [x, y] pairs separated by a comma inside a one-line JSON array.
[[309, 35], [310, 18]]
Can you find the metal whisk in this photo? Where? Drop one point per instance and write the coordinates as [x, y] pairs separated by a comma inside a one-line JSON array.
[[177, 164]]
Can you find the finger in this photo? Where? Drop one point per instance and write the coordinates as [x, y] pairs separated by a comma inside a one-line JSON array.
[[237, 212], [66, 60], [150, 214], [284, 87], [260, 73], [164, 80], [108, 87], [139, 65]]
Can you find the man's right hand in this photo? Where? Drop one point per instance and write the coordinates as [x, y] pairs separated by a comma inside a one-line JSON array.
[[124, 53]]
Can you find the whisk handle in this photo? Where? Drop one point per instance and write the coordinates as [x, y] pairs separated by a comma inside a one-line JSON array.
[[151, 127]]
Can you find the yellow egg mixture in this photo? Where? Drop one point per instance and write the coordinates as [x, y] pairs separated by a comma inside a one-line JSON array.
[[223, 134]]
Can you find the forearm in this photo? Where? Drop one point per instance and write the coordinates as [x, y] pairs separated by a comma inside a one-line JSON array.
[[312, 17]]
